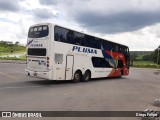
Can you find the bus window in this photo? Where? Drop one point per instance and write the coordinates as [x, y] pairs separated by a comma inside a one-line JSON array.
[[116, 48], [107, 45], [119, 49], [91, 41], [77, 39], [39, 28], [120, 64], [56, 37], [82, 40], [38, 32], [100, 62], [86, 41], [97, 43], [70, 36], [60, 34], [95, 61]]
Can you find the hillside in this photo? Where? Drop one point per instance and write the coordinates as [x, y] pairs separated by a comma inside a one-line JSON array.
[[141, 55]]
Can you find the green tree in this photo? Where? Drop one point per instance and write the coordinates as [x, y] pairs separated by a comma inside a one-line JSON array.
[[17, 43], [155, 55], [133, 56], [147, 57]]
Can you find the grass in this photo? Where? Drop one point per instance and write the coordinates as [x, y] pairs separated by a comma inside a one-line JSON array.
[[12, 51], [16, 52], [145, 64], [23, 58]]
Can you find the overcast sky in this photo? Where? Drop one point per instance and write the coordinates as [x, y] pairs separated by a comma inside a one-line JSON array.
[[135, 23]]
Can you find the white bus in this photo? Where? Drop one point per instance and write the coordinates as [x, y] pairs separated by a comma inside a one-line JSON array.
[[58, 53]]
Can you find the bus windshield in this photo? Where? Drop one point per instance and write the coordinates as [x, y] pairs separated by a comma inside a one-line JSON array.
[[38, 31]]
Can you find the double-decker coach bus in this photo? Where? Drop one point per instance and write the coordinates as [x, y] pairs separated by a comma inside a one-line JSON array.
[[58, 53]]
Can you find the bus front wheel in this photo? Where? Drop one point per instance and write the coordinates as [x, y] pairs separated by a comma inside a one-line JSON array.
[[86, 76], [77, 76], [121, 73]]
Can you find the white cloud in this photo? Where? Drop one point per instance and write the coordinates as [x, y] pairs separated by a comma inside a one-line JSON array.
[[135, 23]]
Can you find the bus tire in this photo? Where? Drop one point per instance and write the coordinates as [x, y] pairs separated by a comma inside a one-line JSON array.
[[86, 76], [121, 73], [77, 76]]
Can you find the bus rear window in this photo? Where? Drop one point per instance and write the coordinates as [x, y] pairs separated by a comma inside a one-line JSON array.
[[38, 31], [37, 51]]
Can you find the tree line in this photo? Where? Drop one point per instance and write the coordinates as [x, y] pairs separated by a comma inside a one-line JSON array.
[[146, 56], [10, 47]]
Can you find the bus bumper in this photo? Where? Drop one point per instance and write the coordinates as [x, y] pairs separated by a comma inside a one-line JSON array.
[[44, 75]]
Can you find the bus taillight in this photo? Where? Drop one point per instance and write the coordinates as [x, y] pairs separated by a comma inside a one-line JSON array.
[[47, 61]]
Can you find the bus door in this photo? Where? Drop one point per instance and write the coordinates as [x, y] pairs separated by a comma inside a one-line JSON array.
[[69, 67]]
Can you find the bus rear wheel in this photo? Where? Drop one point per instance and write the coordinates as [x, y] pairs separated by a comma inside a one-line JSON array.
[[86, 76], [77, 76]]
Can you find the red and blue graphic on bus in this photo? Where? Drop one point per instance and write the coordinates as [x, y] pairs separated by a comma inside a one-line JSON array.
[[114, 59]]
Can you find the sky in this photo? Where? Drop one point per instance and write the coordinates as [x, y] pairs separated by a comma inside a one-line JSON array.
[[135, 23]]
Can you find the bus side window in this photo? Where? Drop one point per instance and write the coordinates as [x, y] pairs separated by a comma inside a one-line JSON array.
[[97, 43], [90, 41], [56, 37], [77, 39], [100, 63], [82, 41], [95, 61], [86, 41], [58, 34], [62, 38], [120, 64], [70, 37], [119, 49], [116, 48], [106, 45], [105, 63]]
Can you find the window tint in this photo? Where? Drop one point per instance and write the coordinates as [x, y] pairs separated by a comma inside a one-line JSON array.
[[35, 29], [37, 51], [70, 36], [88, 41], [38, 31], [120, 64], [39, 28], [97, 43], [60, 34], [100, 62], [73, 37], [116, 48], [107, 45], [78, 38]]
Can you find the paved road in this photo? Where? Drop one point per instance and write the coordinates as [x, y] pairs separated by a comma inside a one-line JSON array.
[[135, 92]]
